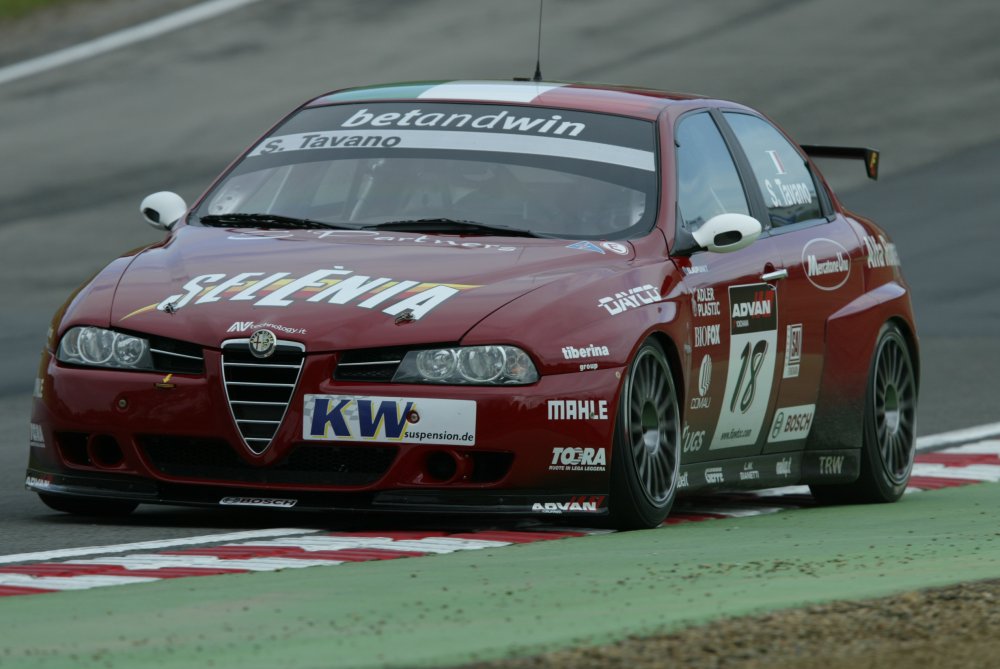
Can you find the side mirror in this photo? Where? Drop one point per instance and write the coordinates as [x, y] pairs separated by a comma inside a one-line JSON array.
[[727, 232], [162, 210]]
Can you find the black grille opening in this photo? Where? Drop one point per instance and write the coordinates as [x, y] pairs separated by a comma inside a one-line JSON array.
[[73, 447], [376, 364], [246, 391], [260, 389], [176, 357], [306, 464], [257, 411], [489, 466]]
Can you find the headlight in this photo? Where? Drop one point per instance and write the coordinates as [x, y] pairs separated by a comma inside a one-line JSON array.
[[97, 347], [474, 365]]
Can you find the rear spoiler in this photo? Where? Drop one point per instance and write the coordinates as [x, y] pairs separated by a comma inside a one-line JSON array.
[[870, 156]]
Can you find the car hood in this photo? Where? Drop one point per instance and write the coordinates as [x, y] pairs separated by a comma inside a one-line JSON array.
[[333, 289]]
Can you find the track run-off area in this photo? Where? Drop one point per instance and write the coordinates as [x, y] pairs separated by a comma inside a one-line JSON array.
[[268, 597]]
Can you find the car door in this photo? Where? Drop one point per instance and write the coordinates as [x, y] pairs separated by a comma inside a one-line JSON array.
[[734, 343], [822, 256]]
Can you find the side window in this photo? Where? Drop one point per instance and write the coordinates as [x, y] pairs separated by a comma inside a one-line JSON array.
[[707, 181], [785, 181]]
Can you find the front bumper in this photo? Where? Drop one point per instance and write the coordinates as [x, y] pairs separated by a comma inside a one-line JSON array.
[[123, 435]]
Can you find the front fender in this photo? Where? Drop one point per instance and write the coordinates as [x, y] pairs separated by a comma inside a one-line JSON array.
[[587, 322]]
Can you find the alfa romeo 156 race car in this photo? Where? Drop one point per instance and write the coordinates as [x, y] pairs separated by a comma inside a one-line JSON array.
[[489, 297]]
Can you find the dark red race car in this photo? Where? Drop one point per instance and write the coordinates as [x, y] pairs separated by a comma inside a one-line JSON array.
[[507, 297]]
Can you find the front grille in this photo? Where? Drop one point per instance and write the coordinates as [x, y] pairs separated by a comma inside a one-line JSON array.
[[260, 389], [373, 364], [306, 464], [176, 357]]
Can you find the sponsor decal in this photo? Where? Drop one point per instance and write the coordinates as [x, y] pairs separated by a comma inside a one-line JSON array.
[[696, 269], [692, 441], [827, 263], [792, 423], [633, 298], [831, 464], [705, 374], [429, 241], [586, 246], [589, 351], [258, 501], [582, 504], [389, 420], [788, 195], [388, 127], [435, 240], [578, 409], [37, 392], [704, 382], [682, 481], [793, 351], [260, 235], [35, 436], [881, 252], [615, 247], [753, 329], [502, 120], [588, 366], [246, 326], [36, 482], [783, 467], [706, 335], [576, 459], [749, 473], [714, 475], [704, 304], [329, 286]]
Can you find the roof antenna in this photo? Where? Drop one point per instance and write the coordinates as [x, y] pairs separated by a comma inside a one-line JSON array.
[[538, 53]]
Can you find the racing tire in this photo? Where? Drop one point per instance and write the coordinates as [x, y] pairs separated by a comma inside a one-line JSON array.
[[88, 506], [889, 430], [645, 462]]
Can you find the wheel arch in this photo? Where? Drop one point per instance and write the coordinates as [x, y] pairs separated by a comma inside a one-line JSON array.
[[851, 335], [912, 345], [674, 358]]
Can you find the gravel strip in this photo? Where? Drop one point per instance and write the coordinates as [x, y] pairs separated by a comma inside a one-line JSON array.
[[953, 627]]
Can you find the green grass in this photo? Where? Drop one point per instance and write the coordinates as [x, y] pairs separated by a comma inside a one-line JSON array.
[[15, 9], [451, 609]]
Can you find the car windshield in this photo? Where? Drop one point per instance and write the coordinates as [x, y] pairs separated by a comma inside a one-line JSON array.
[[550, 172]]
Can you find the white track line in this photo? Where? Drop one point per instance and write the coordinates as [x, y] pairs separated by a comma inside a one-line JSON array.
[[934, 441], [150, 545], [120, 38]]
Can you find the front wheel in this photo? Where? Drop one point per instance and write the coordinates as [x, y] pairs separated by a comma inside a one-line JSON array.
[[88, 506], [889, 432], [646, 458]]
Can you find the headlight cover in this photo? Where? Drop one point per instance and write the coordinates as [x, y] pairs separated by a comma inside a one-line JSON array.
[[468, 365], [97, 347]]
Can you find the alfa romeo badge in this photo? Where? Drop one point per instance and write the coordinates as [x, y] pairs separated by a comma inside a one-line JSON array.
[[262, 343]]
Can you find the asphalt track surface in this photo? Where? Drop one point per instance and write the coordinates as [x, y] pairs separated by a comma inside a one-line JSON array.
[[81, 145]]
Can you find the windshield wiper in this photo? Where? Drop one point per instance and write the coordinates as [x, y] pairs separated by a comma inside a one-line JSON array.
[[267, 221], [451, 225]]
